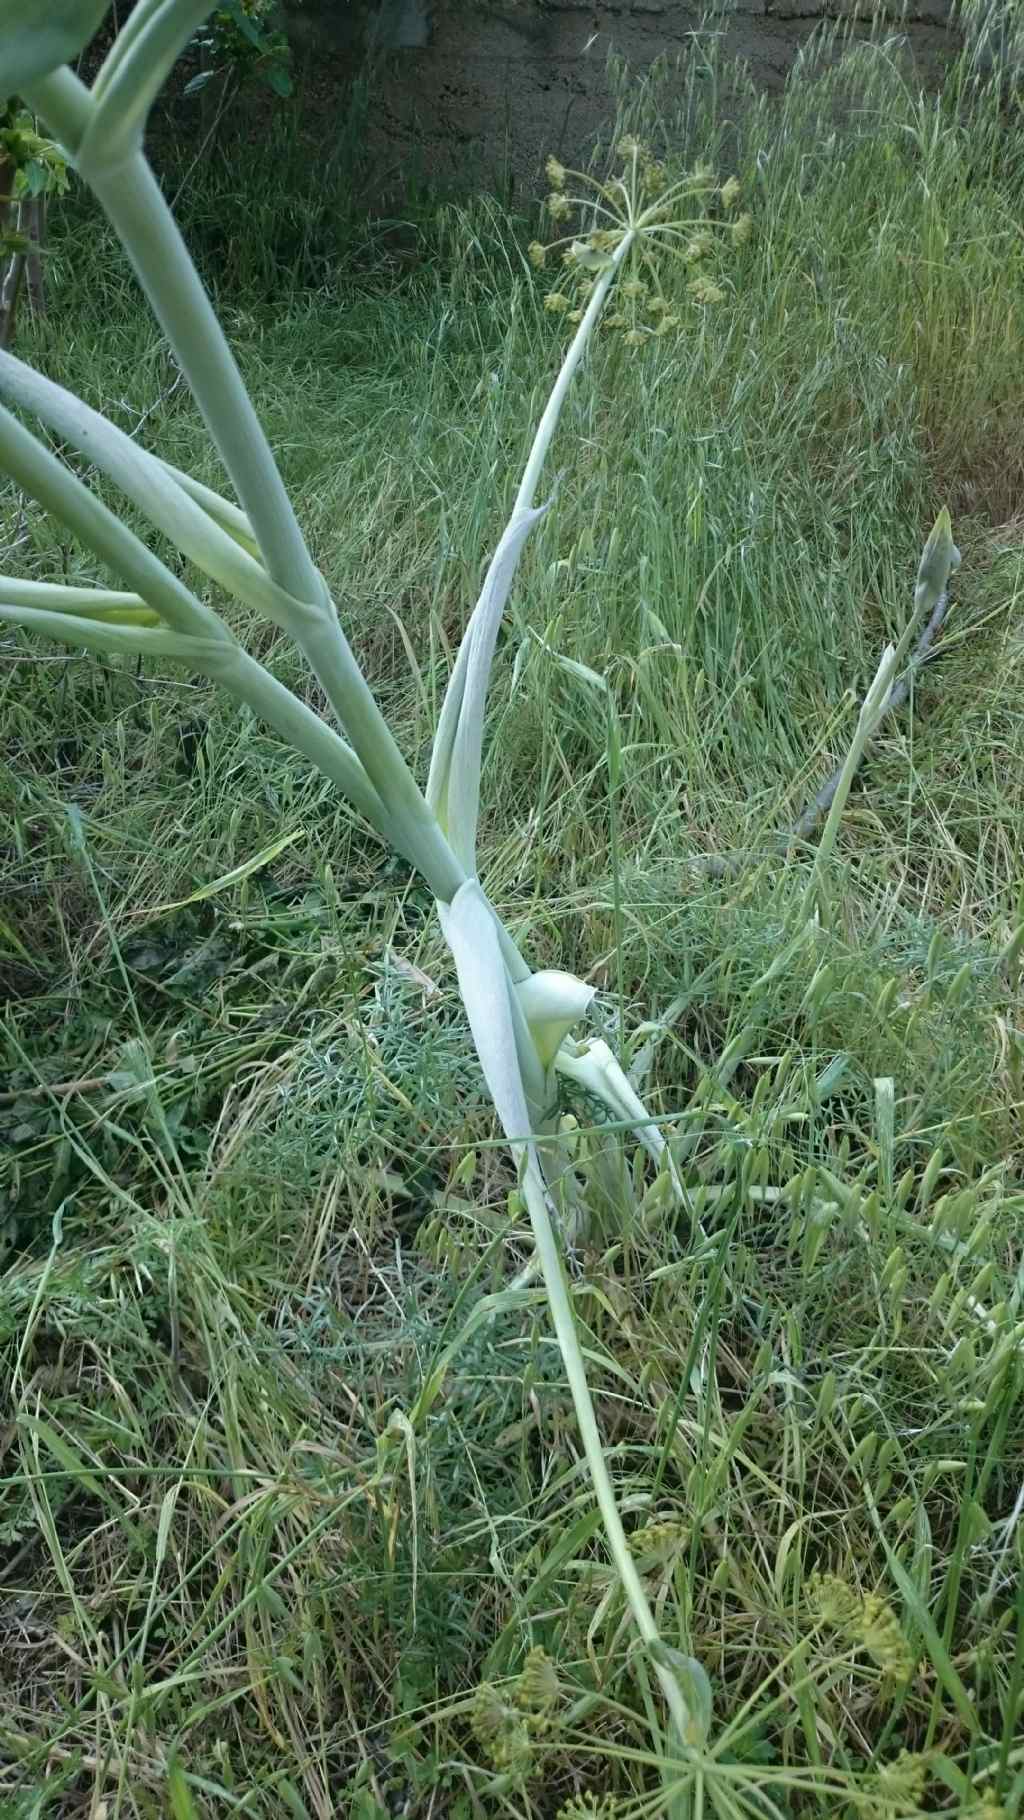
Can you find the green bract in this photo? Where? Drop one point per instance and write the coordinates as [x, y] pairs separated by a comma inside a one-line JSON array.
[[940, 559]]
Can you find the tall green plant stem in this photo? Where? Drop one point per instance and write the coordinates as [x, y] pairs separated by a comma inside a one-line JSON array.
[[572, 1357], [374, 775], [577, 348]]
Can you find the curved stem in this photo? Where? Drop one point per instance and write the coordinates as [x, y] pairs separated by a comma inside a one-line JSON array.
[[572, 1357], [132, 199], [577, 348]]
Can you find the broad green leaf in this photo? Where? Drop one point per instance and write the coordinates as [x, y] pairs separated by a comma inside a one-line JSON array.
[[249, 28], [33, 179], [277, 78], [36, 39], [197, 83], [453, 787]]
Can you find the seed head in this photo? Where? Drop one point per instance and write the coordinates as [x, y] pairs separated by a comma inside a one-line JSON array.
[[538, 1686], [654, 178], [904, 1778], [882, 1637], [656, 219], [591, 1807], [865, 1620], [834, 1600], [659, 1540], [990, 1807], [704, 290], [501, 1731]]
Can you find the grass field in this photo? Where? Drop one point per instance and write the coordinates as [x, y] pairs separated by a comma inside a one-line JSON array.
[[289, 1478]]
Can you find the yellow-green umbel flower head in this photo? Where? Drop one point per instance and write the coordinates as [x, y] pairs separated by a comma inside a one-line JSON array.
[[629, 226]]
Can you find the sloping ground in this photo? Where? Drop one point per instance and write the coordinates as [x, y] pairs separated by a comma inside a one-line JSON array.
[[254, 1202]]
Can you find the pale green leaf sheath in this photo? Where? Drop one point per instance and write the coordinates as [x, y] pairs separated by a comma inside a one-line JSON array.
[[453, 786], [472, 937]]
